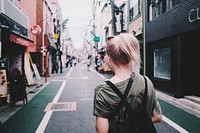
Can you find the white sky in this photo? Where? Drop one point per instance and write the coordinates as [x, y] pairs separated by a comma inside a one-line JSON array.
[[79, 13]]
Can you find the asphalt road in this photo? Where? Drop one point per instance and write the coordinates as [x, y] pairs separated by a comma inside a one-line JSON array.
[[65, 105]]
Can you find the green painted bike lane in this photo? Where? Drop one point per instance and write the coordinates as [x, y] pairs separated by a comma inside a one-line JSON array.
[[184, 119], [28, 118]]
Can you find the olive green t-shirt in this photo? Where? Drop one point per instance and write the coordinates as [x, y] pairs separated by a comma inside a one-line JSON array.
[[106, 100]]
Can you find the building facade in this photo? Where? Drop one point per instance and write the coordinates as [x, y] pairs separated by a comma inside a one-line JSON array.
[[172, 31], [14, 41]]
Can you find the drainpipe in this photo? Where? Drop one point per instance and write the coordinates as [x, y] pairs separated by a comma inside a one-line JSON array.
[[144, 37], [0, 42]]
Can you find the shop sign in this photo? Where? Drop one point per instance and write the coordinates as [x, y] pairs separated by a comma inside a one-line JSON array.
[[21, 41], [36, 30], [194, 14]]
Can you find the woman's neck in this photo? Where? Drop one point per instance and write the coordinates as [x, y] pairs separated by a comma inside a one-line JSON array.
[[121, 73]]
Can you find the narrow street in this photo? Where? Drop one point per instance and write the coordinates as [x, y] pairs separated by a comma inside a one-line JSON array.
[[65, 105]]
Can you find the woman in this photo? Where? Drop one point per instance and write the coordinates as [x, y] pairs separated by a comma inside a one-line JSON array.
[[123, 57]]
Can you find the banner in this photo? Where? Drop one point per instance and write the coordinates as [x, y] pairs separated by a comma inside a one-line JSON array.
[[27, 68]]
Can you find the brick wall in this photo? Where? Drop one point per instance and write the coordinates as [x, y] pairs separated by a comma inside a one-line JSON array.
[[39, 18], [174, 22]]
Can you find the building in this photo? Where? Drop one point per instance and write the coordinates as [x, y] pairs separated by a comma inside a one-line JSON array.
[[136, 26], [47, 15], [14, 42], [172, 37]]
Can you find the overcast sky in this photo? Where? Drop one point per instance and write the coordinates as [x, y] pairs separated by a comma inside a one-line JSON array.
[[79, 13]]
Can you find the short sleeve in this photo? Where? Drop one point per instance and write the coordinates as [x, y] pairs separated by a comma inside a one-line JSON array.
[[101, 106], [152, 99]]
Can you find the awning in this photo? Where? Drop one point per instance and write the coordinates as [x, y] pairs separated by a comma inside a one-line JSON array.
[[52, 43], [20, 40], [16, 37]]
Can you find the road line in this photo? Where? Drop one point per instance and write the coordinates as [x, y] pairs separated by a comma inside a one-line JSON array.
[[48, 114], [69, 72], [78, 78], [174, 125], [98, 74]]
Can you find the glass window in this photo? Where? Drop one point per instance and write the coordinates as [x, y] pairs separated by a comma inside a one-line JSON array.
[[162, 63], [135, 9], [158, 7]]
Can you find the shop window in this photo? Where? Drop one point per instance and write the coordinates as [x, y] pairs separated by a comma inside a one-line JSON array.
[[134, 9], [162, 63]]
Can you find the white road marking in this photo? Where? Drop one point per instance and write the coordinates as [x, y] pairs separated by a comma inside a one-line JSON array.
[[69, 72], [45, 120], [174, 125], [98, 74], [78, 78], [48, 114]]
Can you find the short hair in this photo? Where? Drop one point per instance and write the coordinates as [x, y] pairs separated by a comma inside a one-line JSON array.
[[124, 49]]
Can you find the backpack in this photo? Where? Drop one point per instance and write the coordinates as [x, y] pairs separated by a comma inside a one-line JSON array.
[[125, 119]]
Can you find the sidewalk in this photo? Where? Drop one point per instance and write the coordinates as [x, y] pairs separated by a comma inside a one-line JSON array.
[[190, 104], [7, 111]]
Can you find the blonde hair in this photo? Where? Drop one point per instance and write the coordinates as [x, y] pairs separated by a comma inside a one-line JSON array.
[[124, 49]]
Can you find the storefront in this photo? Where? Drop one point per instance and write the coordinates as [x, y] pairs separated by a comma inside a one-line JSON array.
[[14, 42], [172, 50], [13, 49]]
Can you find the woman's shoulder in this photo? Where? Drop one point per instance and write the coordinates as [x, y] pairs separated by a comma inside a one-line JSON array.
[[102, 86], [140, 80]]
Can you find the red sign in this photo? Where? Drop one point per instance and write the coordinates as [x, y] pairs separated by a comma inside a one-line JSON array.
[[21, 41], [36, 30]]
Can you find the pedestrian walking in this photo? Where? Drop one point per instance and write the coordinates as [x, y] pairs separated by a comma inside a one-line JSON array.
[[88, 62], [123, 57]]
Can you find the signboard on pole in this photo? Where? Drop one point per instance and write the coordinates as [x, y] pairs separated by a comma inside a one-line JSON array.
[[36, 29], [96, 39]]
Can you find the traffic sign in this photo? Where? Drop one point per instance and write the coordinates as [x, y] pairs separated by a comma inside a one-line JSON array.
[[36, 29], [96, 39]]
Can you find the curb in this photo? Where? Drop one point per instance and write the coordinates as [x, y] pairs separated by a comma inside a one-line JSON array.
[[185, 104]]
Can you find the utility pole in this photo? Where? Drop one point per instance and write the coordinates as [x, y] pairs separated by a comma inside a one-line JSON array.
[[144, 36], [0, 48]]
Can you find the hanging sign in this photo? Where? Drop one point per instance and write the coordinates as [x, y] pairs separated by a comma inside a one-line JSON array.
[[56, 36], [36, 29]]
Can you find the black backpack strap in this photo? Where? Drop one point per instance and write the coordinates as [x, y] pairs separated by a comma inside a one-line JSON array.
[[122, 97], [146, 92]]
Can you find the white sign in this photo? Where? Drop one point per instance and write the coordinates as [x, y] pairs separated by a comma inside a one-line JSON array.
[[36, 71], [36, 29]]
